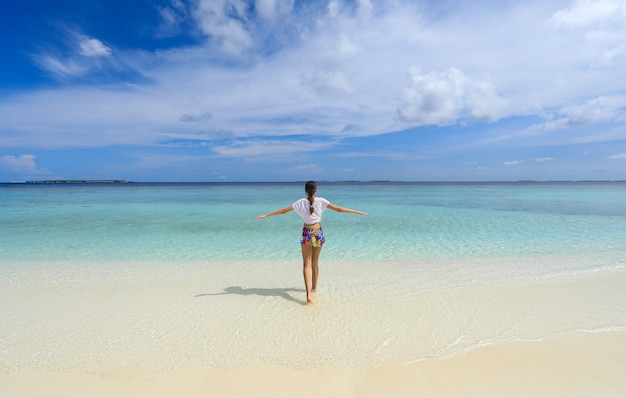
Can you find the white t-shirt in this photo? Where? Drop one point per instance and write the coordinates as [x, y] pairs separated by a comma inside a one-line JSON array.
[[302, 207]]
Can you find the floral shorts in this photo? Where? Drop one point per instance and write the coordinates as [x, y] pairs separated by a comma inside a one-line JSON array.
[[313, 237]]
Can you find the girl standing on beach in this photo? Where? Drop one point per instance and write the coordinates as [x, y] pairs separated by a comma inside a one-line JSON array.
[[311, 209]]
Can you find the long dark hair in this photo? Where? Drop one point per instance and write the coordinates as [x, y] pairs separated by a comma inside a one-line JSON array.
[[310, 188]]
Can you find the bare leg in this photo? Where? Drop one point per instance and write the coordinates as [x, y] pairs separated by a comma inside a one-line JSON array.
[[314, 265], [307, 270]]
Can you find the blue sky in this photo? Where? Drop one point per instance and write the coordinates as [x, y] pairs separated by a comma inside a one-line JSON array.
[[284, 90]]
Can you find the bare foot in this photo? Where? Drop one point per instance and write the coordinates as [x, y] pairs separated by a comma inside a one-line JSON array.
[[309, 300]]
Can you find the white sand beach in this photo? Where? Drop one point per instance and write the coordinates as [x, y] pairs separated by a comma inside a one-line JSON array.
[[577, 365]]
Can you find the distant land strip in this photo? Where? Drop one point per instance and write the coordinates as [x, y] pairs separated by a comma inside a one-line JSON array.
[[76, 182]]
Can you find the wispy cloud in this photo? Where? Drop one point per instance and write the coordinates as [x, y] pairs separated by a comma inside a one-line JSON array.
[[78, 56], [195, 117], [272, 150], [172, 17], [308, 169], [392, 155]]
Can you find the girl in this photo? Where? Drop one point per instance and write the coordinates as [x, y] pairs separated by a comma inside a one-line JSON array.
[[311, 209]]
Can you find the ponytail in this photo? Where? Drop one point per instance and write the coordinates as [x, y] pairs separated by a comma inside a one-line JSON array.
[[310, 188]]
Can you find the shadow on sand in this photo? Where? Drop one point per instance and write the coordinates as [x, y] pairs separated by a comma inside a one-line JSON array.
[[277, 292]]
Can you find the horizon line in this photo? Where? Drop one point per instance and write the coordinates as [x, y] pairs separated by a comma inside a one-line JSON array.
[[123, 181]]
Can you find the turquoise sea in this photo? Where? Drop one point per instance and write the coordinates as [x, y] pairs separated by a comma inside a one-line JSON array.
[[142, 278]]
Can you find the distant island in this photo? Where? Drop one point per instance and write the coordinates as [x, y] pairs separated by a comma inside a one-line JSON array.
[[76, 182]]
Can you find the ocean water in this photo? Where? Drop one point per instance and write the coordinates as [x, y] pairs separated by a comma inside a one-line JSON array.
[[137, 279]]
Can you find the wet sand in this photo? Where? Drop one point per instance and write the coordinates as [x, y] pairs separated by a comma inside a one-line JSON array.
[[576, 365]]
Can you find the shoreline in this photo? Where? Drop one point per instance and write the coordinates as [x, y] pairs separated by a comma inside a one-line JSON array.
[[573, 365]]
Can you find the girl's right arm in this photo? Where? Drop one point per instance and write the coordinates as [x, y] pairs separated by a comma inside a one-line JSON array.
[[277, 212]]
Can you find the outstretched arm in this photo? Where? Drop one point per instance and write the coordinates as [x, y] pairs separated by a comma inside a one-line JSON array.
[[277, 212], [345, 210]]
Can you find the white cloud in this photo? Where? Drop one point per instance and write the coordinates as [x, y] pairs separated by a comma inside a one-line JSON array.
[[22, 164], [597, 110], [513, 163], [618, 156], [603, 109], [541, 160], [599, 26], [19, 163], [91, 47], [589, 13], [445, 97]]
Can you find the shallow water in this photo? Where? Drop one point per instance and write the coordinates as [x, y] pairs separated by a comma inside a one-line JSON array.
[[209, 222], [145, 278]]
